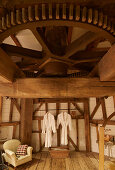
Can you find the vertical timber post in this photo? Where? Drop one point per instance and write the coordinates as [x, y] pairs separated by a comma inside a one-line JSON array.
[[1, 102], [26, 120], [87, 125], [101, 148]]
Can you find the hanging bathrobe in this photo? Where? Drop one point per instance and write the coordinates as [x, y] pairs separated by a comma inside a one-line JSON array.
[[48, 127], [65, 120]]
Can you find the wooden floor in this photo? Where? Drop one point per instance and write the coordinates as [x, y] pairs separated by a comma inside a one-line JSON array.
[[76, 161]]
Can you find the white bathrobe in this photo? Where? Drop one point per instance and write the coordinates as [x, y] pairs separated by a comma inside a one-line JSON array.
[[48, 127], [65, 120]]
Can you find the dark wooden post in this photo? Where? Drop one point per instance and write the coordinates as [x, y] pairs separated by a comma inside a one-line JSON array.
[[1, 103], [58, 130], [87, 125], [26, 120]]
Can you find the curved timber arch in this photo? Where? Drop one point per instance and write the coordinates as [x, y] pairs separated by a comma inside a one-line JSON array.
[[56, 15]]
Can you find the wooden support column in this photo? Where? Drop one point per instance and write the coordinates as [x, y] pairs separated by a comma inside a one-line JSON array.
[[101, 148], [26, 120], [114, 101], [46, 107], [14, 132], [39, 129], [58, 130], [77, 131], [87, 125], [11, 110], [97, 132], [67, 126], [1, 102]]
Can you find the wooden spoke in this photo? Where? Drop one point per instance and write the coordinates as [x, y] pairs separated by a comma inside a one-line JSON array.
[[80, 43], [38, 34], [94, 53], [70, 29], [22, 52], [16, 41], [86, 60]]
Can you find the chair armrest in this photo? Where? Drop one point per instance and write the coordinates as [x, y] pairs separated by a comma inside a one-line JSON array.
[[10, 154], [29, 150]]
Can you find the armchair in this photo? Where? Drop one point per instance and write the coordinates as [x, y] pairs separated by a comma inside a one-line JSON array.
[[10, 148]]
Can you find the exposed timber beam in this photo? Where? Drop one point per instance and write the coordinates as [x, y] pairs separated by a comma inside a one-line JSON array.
[[94, 72], [80, 43], [95, 109], [108, 119], [101, 148], [21, 52], [16, 41], [97, 121], [90, 54], [8, 70], [57, 88], [1, 105], [78, 108], [70, 30], [38, 34], [87, 126], [106, 66], [26, 120]]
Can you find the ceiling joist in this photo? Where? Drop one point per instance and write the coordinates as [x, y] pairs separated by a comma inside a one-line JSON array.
[[106, 66], [57, 88]]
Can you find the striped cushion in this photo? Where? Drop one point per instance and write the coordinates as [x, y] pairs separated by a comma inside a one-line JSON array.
[[22, 150]]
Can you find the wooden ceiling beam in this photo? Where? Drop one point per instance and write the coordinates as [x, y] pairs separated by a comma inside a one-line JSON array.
[[20, 51], [57, 88], [94, 72], [8, 70], [80, 43], [106, 66]]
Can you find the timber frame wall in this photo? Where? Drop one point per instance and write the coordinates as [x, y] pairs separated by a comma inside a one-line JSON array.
[[28, 113]]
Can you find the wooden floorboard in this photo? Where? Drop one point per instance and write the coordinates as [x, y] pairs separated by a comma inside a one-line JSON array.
[[76, 161]]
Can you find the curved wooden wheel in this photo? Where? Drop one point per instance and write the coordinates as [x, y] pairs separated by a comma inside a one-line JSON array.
[[40, 16]]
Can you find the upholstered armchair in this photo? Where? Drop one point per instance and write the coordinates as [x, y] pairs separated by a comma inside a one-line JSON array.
[[10, 148]]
